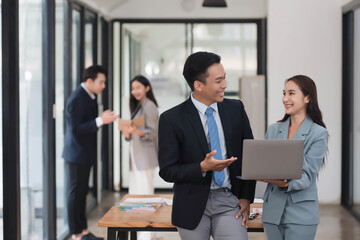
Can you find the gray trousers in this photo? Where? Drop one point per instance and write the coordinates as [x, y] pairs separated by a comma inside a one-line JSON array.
[[290, 231], [218, 219]]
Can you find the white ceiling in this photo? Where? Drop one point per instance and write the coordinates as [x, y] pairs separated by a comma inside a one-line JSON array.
[[104, 6], [157, 9]]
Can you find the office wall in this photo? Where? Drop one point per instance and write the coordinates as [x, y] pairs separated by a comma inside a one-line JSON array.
[[188, 9], [304, 37]]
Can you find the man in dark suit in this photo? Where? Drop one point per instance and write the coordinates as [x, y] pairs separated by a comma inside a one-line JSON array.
[[200, 150], [82, 123]]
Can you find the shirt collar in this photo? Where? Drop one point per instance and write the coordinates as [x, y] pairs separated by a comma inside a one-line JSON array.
[[201, 107], [92, 96]]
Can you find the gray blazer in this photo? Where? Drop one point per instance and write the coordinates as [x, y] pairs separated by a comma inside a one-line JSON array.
[[146, 148], [298, 204]]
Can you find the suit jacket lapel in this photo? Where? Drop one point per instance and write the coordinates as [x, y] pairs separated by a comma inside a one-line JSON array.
[[301, 133], [198, 128], [284, 130], [226, 125], [304, 129]]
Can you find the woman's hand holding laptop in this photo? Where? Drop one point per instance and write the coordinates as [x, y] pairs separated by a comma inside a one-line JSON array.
[[279, 183]]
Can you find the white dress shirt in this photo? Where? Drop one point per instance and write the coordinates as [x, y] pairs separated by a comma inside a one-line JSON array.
[[99, 121], [201, 110]]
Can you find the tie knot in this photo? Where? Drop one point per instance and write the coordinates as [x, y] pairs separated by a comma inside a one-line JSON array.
[[209, 111]]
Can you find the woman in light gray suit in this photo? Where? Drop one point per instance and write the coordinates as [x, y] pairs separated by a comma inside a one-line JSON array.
[[290, 209], [143, 141]]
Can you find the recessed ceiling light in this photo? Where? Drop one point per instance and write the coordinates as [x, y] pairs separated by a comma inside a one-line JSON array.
[[214, 3]]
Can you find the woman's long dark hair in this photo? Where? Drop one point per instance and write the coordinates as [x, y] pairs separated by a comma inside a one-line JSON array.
[[308, 88], [150, 95]]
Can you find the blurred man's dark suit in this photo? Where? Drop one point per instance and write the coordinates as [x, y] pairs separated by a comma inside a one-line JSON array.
[[79, 153]]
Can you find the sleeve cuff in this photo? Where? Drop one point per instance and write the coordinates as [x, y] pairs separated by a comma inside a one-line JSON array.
[[99, 122]]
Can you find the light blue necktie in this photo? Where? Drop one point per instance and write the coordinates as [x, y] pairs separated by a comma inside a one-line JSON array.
[[215, 144]]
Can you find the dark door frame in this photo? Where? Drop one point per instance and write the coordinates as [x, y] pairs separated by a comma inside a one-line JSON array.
[[48, 101], [347, 173], [10, 119]]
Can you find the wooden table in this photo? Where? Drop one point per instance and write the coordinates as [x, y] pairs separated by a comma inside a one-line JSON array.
[[119, 223]]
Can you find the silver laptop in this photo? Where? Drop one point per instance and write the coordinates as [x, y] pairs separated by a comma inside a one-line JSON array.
[[272, 159]]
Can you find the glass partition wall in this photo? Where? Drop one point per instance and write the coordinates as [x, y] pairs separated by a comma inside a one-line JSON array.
[[74, 43], [31, 121], [61, 216], [90, 38], [236, 43], [76, 48], [159, 50]]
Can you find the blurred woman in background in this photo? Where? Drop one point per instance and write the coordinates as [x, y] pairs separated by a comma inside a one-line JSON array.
[[143, 141]]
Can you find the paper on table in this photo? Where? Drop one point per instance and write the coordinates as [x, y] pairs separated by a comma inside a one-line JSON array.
[[258, 200], [149, 200], [140, 204], [138, 122], [168, 201], [143, 200]]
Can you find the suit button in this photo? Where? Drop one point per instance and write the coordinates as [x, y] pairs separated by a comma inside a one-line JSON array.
[[272, 189]]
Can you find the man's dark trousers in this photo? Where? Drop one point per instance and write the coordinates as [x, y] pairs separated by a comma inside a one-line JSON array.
[[78, 186]]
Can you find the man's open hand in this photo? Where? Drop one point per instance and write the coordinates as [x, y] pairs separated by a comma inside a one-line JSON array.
[[211, 164]]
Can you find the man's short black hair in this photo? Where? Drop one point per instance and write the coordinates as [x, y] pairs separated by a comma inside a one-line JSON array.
[[92, 72], [196, 66]]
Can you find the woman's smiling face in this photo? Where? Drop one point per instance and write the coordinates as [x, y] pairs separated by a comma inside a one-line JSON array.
[[138, 90], [293, 99]]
